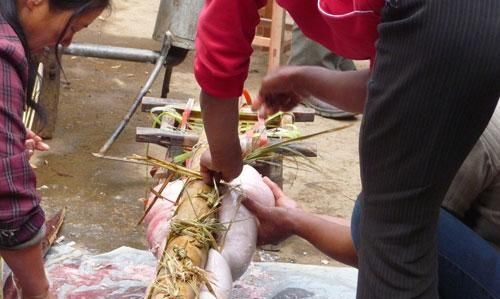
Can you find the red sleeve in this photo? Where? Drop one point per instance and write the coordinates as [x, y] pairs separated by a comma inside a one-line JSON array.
[[225, 32]]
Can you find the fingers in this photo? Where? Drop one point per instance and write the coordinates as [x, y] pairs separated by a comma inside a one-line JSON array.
[[206, 168], [206, 175], [32, 145], [257, 102], [272, 103], [281, 199], [31, 135], [42, 146], [34, 142], [29, 144], [209, 174], [255, 208], [277, 92], [259, 105], [210, 177], [277, 192]]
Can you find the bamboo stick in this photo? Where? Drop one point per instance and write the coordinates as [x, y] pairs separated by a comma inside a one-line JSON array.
[[180, 271]]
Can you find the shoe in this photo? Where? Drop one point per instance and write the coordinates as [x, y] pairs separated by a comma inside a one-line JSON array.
[[327, 110]]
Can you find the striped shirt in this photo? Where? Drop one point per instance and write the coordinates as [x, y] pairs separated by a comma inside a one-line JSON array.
[[21, 216]]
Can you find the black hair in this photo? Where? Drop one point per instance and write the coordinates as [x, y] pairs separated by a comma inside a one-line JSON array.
[[79, 7], [8, 9]]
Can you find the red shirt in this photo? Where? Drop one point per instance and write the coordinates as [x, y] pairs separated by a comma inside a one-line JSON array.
[[21, 216], [226, 29]]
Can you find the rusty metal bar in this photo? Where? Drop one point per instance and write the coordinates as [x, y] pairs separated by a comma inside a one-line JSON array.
[[160, 62], [111, 52]]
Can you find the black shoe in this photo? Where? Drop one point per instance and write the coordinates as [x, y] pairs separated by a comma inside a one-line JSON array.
[[327, 110]]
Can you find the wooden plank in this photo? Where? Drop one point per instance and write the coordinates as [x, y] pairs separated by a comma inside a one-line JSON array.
[[166, 137], [300, 113], [277, 35], [170, 138], [150, 102], [49, 95], [261, 41]]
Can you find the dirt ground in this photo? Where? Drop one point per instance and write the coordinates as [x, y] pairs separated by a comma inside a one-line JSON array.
[[102, 196]]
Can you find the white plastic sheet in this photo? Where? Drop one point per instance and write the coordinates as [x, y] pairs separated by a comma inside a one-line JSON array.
[[126, 273]]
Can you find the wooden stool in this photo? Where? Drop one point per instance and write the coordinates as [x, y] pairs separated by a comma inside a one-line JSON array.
[[271, 33]]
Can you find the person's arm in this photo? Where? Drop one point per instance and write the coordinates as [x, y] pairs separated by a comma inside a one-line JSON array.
[[344, 89], [330, 235], [284, 88], [34, 142], [27, 265], [220, 118], [225, 32]]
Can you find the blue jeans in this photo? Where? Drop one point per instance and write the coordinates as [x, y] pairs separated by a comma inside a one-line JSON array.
[[469, 266]]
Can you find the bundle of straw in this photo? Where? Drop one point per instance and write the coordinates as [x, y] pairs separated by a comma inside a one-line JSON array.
[[194, 226]]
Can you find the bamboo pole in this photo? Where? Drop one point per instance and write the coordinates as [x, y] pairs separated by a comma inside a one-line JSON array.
[[180, 271]]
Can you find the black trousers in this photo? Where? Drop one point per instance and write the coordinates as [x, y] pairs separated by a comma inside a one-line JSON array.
[[434, 87]]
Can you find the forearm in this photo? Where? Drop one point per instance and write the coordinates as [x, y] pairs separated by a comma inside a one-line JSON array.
[[328, 235], [27, 265], [343, 89], [220, 119]]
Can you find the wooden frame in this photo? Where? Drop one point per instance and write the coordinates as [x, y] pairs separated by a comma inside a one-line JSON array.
[[275, 42]]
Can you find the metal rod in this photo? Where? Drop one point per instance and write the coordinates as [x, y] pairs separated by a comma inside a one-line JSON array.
[[166, 81], [110, 52], [158, 66], [120, 159]]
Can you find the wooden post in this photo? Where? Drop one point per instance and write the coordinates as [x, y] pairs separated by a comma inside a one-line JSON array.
[[49, 94], [277, 36]]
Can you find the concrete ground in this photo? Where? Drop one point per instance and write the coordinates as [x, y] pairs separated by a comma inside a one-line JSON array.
[[102, 196]]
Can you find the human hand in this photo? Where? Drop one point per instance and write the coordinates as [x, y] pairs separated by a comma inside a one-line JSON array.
[[279, 91], [280, 198], [225, 168], [220, 120], [34, 142], [275, 224]]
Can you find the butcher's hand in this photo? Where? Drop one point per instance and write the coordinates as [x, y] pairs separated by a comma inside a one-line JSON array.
[[34, 142], [224, 168], [275, 224], [281, 90], [220, 119]]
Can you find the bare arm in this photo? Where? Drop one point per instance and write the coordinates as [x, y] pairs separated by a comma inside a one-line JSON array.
[[224, 35], [27, 265], [220, 118], [330, 235], [346, 89], [287, 86]]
